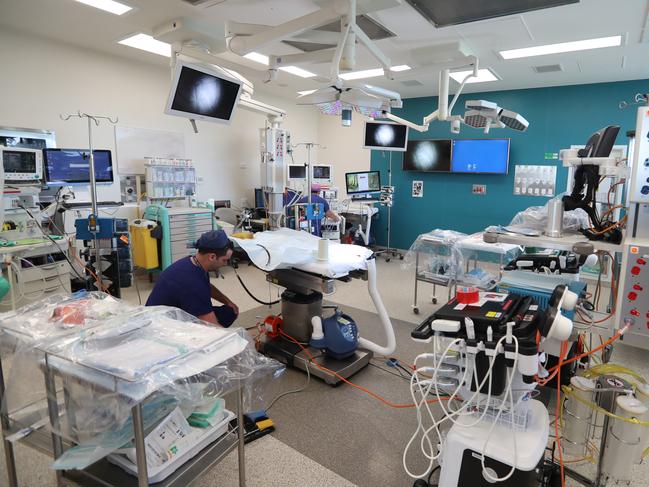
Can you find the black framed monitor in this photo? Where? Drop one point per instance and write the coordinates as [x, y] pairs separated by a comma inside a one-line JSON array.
[[480, 156], [296, 172], [322, 173], [203, 93], [601, 143], [388, 136], [72, 166], [428, 156], [363, 182]]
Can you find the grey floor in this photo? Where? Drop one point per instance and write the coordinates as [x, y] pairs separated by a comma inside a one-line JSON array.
[[329, 436]]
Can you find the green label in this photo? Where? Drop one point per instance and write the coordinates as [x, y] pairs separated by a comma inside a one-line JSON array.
[[551, 155]]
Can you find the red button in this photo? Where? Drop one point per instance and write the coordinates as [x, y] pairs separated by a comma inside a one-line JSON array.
[[642, 262], [635, 312], [637, 287], [632, 296], [635, 271]]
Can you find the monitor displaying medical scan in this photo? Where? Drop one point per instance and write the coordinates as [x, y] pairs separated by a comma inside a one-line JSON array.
[[363, 182], [199, 93], [428, 156], [386, 136], [322, 172], [72, 166], [480, 156]]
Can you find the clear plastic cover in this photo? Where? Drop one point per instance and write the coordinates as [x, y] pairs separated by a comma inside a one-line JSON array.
[[97, 369], [536, 217], [436, 256]]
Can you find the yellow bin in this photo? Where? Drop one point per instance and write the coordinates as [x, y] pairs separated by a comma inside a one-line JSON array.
[[143, 246]]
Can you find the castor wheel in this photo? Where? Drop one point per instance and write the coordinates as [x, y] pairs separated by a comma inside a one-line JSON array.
[[415, 310], [387, 259], [434, 300], [401, 257]]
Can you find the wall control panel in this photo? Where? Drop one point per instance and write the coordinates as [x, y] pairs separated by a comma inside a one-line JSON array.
[[633, 300]]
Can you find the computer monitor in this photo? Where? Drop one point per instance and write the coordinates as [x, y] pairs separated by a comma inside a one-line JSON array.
[[322, 173], [296, 172], [388, 136], [600, 144], [203, 93], [428, 156], [363, 182], [480, 156], [72, 166]]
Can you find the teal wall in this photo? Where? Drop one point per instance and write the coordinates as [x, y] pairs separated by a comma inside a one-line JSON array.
[[558, 116]]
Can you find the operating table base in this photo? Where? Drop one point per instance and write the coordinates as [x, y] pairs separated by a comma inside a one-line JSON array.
[[293, 356]]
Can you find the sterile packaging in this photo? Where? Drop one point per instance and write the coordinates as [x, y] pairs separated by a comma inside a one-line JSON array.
[[102, 359], [435, 255], [536, 217]]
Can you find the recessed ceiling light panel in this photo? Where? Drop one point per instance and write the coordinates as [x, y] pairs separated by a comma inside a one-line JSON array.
[[562, 47], [111, 6]]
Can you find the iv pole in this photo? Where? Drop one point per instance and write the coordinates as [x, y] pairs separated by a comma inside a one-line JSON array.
[[387, 200], [92, 218], [309, 172]]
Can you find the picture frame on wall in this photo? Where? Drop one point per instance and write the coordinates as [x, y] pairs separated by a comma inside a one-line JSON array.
[[417, 189]]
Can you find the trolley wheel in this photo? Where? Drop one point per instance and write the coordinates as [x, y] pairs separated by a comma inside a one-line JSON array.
[[415, 310], [434, 300], [387, 259], [401, 257]]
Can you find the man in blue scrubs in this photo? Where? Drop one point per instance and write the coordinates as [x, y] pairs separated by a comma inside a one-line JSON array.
[[289, 195], [185, 284]]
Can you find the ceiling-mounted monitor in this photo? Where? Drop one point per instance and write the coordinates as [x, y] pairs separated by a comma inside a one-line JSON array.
[[388, 136], [428, 156], [203, 93], [480, 156]]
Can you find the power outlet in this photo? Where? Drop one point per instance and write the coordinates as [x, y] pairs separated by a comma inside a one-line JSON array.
[[480, 189]]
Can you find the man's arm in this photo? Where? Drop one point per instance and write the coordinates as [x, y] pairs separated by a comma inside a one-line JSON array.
[[222, 298], [332, 216], [210, 318]]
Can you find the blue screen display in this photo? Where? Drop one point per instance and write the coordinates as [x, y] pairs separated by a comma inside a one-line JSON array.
[[72, 166], [487, 156]]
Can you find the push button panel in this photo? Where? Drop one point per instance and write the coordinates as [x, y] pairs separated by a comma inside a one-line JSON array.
[[635, 295]]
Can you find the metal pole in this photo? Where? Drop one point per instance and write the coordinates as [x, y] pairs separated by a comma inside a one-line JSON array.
[[388, 250], [10, 459], [140, 447], [53, 411], [241, 437], [309, 181], [93, 198]]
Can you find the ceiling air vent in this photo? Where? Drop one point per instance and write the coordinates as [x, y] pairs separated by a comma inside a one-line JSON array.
[[411, 82], [203, 3], [548, 68]]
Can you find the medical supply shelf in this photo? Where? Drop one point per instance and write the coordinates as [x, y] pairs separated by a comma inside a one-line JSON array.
[[181, 227], [104, 473], [39, 279]]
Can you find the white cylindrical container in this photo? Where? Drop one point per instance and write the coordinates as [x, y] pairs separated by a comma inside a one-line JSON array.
[[623, 440], [323, 249], [642, 393], [577, 417], [554, 226]]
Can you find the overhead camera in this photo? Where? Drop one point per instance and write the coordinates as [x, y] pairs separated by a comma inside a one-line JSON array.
[[346, 117]]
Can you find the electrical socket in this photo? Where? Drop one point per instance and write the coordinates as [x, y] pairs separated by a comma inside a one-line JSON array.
[[480, 189]]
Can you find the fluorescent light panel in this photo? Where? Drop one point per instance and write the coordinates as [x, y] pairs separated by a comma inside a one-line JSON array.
[[263, 59], [484, 75], [573, 46], [306, 92], [372, 73], [108, 5], [147, 43]]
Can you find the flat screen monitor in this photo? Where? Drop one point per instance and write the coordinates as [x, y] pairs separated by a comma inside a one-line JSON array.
[[322, 172], [72, 166], [297, 172], [600, 144], [363, 182], [480, 156], [428, 156], [386, 136], [203, 93], [260, 200]]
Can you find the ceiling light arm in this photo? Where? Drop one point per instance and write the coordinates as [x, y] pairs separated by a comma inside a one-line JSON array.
[[320, 56], [407, 123], [474, 74], [374, 50], [335, 63], [244, 44]]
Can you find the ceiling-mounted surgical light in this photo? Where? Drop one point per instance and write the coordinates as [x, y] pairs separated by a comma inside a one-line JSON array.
[[513, 120]]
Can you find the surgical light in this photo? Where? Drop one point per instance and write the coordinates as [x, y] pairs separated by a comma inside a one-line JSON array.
[[110, 6], [513, 120], [562, 47], [147, 43]]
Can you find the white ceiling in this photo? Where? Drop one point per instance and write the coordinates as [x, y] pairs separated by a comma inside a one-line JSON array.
[[79, 25]]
